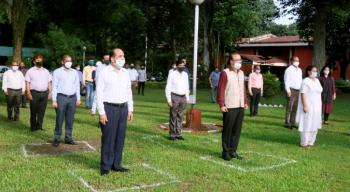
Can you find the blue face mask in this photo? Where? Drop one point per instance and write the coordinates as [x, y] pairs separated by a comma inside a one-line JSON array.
[[314, 74]]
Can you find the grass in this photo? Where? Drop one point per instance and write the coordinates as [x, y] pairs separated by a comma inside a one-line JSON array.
[[322, 168]]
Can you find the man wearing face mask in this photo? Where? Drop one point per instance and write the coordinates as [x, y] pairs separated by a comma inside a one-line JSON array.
[[38, 83], [115, 106], [293, 77], [256, 88], [177, 94], [133, 76], [65, 98], [232, 100], [214, 81], [142, 80], [13, 85]]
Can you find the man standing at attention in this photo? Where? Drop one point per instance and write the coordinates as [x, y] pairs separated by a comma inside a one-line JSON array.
[[142, 79], [214, 81], [38, 83], [177, 94], [88, 83], [65, 98], [13, 85], [232, 100], [115, 106], [293, 77], [134, 76]]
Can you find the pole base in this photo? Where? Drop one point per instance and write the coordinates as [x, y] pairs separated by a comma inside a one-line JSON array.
[[193, 119]]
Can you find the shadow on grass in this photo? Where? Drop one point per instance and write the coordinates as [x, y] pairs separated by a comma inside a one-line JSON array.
[[19, 128]]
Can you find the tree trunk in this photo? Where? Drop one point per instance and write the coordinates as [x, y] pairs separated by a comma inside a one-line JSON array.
[[19, 17], [208, 31], [319, 35]]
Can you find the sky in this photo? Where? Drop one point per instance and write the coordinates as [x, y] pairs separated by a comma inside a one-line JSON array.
[[284, 18]]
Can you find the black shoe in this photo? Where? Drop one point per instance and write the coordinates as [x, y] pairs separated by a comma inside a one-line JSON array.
[[71, 142], [56, 143], [288, 126], [172, 138], [24, 106], [236, 156], [180, 138], [104, 172], [121, 169], [226, 157], [294, 126]]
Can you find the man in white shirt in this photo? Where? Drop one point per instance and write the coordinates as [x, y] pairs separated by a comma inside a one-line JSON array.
[[134, 75], [13, 85], [142, 80], [293, 77], [177, 94], [115, 106]]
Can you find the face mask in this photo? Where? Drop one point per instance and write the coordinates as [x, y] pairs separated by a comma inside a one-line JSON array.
[[142, 68], [15, 68], [257, 71], [120, 63], [78, 69], [181, 69], [314, 74], [39, 64], [216, 70], [174, 66], [326, 72], [237, 65], [296, 63], [68, 65]]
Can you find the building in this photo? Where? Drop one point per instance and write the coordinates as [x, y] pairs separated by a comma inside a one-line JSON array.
[[274, 53]]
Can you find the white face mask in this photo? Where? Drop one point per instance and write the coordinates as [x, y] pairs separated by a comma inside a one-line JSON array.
[[296, 63], [314, 74], [120, 63], [68, 65], [326, 72], [15, 68], [237, 65], [258, 71]]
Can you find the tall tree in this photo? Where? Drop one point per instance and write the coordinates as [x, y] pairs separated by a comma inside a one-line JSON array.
[[312, 22], [18, 14]]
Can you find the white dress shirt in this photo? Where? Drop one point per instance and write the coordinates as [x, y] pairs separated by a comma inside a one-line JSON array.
[[98, 70], [293, 77], [13, 80], [177, 83], [65, 81], [133, 74], [113, 86]]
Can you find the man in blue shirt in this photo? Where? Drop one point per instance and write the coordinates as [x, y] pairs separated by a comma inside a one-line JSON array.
[[65, 98], [214, 81]]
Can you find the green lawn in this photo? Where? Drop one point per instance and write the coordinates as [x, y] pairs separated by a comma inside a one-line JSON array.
[[274, 161]]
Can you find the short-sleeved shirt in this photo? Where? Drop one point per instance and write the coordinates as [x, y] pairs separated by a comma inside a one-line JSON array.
[[38, 78], [142, 75], [215, 76]]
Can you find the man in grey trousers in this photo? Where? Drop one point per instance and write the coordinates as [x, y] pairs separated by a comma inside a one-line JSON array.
[[65, 98]]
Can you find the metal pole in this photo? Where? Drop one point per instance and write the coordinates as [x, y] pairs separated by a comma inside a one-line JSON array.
[[84, 58], [195, 53]]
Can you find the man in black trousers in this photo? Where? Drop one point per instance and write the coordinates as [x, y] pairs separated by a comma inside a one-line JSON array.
[[38, 83], [233, 100], [115, 106]]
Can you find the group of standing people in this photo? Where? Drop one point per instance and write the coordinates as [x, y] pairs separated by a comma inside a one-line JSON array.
[[113, 85], [308, 99]]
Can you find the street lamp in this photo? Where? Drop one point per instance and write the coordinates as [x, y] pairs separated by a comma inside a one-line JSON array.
[[84, 50], [192, 120]]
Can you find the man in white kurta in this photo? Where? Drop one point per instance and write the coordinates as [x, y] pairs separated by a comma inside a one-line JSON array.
[[311, 120]]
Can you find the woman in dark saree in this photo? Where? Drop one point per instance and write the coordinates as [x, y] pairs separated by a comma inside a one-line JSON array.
[[328, 94]]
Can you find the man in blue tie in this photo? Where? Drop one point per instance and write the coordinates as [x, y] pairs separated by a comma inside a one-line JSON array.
[[65, 98]]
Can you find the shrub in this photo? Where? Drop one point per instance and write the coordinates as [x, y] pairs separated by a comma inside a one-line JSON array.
[[272, 85]]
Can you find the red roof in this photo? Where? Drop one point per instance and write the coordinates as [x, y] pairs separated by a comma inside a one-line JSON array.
[[269, 38]]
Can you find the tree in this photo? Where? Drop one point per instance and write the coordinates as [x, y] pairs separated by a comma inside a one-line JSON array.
[[18, 12], [312, 22]]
